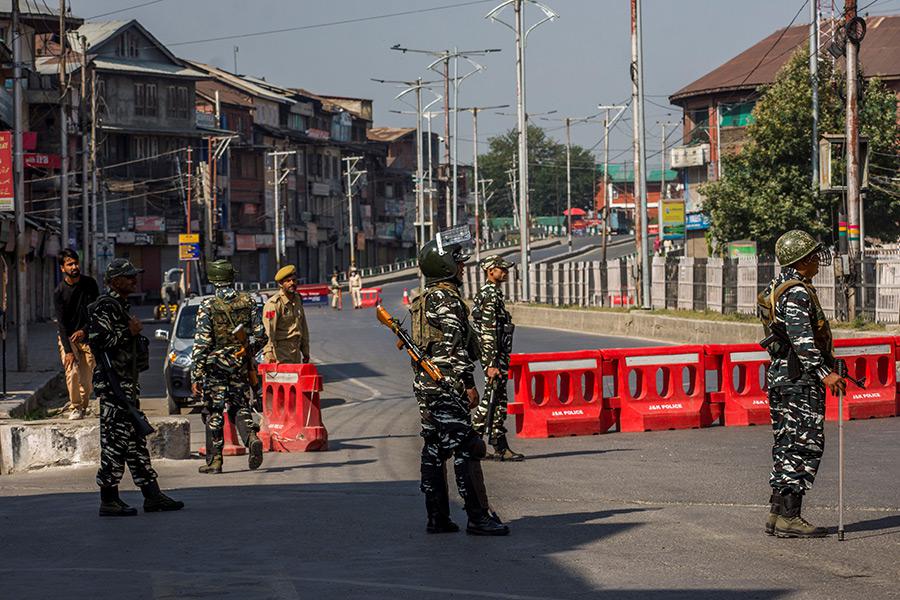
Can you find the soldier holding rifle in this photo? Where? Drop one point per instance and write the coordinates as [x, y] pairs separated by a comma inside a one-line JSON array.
[[442, 346], [229, 334], [114, 336]]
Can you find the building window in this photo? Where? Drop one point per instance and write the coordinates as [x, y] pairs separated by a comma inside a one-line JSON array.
[[171, 102], [139, 98], [183, 111], [327, 167], [318, 165], [699, 125], [121, 46], [151, 106]]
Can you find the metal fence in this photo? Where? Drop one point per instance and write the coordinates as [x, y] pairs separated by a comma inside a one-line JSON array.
[[684, 283]]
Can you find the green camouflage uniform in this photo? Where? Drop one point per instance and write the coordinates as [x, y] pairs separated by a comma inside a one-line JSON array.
[[222, 375], [446, 426], [493, 324], [797, 406], [119, 443]]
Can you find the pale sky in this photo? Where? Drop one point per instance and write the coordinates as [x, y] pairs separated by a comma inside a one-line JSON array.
[[573, 64]]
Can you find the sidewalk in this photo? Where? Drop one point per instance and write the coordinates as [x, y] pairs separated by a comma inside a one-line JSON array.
[[42, 382]]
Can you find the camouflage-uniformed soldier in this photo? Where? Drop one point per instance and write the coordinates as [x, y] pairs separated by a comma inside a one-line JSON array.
[[285, 322], [441, 329], [115, 333], [802, 366], [220, 368], [494, 327]]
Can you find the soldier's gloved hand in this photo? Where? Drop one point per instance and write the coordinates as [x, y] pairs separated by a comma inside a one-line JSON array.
[[492, 373], [472, 395], [835, 383], [197, 389], [305, 360], [135, 326]]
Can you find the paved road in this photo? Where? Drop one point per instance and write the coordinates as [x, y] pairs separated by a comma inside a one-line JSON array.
[[674, 514]]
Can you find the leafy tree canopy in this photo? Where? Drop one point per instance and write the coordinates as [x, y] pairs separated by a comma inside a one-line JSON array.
[[766, 187], [547, 164]]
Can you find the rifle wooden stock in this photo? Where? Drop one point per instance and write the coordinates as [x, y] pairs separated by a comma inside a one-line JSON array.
[[404, 342], [244, 355]]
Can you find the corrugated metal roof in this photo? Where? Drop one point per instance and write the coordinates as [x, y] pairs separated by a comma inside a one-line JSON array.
[[388, 134], [227, 94], [241, 82], [96, 32], [879, 55], [146, 68]]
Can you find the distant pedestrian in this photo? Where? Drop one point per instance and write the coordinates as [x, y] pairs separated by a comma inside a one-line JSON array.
[[355, 282], [337, 302], [285, 322], [70, 301], [115, 337]]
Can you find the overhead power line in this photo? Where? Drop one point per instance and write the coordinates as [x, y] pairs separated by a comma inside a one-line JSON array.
[[331, 23], [127, 8]]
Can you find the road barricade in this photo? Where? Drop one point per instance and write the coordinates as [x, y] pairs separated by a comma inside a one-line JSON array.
[[233, 446], [313, 294], [741, 372], [370, 296], [677, 401], [558, 394], [875, 359], [291, 410]]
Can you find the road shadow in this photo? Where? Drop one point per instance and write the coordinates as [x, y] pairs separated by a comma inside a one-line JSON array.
[[889, 525], [572, 453], [331, 402], [362, 539], [335, 372]]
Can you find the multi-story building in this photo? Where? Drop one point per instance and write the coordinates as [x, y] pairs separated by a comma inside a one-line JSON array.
[[718, 106]]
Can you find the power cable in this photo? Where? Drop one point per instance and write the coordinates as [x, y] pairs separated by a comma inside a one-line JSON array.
[[121, 10]]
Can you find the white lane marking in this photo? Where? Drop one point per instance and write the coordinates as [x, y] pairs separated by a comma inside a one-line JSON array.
[[373, 393]]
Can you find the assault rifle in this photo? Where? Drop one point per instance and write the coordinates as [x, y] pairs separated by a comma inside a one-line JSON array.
[[141, 425], [404, 342], [240, 333]]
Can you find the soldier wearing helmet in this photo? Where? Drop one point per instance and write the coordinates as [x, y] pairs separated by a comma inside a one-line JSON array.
[[440, 327], [802, 367], [494, 326], [219, 370]]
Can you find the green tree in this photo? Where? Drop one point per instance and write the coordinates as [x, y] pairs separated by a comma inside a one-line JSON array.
[[547, 171], [765, 189]]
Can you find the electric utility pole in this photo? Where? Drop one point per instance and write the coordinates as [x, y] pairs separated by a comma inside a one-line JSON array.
[[19, 178], [85, 170], [63, 128], [474, 110], [814, 86], [352, 177], [607, 192], [277, 179]]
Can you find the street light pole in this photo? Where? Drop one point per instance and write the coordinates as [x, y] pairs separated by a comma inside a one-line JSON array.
[[352, 177], [19, 172], [607, 124], [521, 36]]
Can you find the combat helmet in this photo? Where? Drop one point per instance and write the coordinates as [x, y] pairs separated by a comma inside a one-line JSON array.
[[794, 246], [437, 266], [220, 272]]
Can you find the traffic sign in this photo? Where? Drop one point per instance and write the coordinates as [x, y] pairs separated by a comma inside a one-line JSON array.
[[188, 246]]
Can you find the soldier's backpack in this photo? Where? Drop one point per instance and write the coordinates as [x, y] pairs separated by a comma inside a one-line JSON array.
[[424, 333], [781, 346], [228, 315]]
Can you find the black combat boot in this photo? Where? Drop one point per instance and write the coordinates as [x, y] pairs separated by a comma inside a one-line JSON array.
[[774, 511], [437, 503], [255, 450], [790, 524], [502, 451], [213, 464], [112, 506], [470, 481], [156, 501]]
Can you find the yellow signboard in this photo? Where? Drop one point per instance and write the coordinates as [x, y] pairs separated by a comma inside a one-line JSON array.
[[188, 246], [673, 219]]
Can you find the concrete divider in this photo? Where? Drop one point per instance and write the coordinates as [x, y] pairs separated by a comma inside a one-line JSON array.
[[649, 326], [30, 445]]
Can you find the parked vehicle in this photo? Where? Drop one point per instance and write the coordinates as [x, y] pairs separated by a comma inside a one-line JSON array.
[[177, 364]]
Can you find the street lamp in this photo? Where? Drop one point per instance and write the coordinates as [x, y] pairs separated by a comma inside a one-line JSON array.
[[443, 57], [522, 119]]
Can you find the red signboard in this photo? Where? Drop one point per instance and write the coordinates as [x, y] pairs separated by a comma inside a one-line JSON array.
[[38, 160], [7, 189], [245, 242]]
